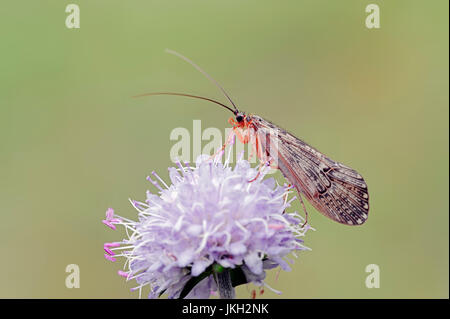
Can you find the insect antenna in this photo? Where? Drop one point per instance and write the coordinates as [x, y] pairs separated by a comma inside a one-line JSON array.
[[204, 73], [189, 95]]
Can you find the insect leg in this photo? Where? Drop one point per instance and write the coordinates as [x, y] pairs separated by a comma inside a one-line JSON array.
[[243, 138], [227, 142], [261, 165], [256, 145], [304, 208], [273, 165], [258, 148], [232, 121], [257, 175]]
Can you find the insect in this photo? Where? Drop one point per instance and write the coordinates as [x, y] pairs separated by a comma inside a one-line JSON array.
[[335, 190]]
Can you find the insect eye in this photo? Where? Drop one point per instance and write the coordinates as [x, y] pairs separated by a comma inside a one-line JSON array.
[[239, 118]]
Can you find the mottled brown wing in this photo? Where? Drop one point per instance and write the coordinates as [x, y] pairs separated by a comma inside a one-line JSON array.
[[335, 190]]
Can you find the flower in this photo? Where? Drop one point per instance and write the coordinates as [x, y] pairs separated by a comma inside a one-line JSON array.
[[211, 218]]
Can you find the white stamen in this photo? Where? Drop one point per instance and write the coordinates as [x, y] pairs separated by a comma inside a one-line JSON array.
[[160, 179], [274, 290]]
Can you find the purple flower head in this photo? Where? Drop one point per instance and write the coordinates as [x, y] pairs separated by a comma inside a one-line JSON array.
[[209, 218]]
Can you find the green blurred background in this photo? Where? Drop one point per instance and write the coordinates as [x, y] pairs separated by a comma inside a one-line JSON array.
[[73, 142]]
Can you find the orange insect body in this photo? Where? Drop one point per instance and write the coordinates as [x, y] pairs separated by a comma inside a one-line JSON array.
[[245, 132]]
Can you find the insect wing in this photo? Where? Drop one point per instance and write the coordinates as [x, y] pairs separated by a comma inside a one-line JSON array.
[[335, 190]]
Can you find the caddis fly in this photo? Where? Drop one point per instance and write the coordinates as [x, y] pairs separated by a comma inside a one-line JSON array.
[[335, 190]]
